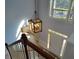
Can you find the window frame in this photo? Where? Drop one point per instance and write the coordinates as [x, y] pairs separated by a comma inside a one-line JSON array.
[[53, 8]]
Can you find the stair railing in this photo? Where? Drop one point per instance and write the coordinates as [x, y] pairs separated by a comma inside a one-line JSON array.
[[41, 53]]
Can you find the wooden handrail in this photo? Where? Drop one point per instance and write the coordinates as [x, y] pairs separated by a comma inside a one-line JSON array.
[[45, 53], [42, 51]]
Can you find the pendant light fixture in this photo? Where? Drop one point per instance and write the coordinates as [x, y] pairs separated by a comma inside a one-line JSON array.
[[35, 25]]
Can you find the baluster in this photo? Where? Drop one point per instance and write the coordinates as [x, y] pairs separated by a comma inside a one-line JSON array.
[[33, 54]]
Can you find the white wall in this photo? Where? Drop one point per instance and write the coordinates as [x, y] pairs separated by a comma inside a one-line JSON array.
[[55, 24], [15, 11], [71, 38]]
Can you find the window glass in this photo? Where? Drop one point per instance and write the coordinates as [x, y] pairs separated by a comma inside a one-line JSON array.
[[59, 14], [62, 3], [61, 9]]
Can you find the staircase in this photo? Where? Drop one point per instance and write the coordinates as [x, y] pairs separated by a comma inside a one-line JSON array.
[[27, 49]]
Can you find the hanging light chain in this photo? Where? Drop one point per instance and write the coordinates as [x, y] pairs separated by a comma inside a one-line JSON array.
[[35, 9]]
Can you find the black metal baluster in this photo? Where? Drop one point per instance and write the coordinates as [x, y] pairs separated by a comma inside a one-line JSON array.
[[29, 52], [8, 50], [23, 51], [33, 54]]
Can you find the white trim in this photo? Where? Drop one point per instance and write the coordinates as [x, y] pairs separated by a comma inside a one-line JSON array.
[[50, 8], [63, 44], [63, 47], [48, 41], [57, 33], [54, 6]]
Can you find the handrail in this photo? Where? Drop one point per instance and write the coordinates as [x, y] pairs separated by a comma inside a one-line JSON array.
[[45, 53], [18, 41], [42, 51]]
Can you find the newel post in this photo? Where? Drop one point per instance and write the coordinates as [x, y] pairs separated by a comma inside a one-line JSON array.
[[24, 42]]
